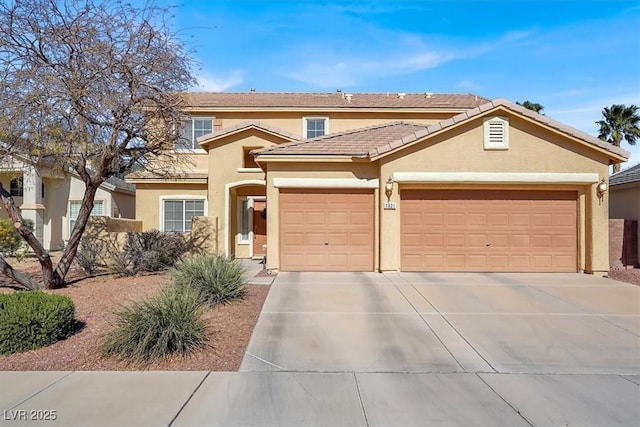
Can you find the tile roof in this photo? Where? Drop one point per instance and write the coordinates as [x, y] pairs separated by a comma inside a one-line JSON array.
[[120, 185], [631, 174], [275, 100], [355, 143], [256, 124], [377, 140]]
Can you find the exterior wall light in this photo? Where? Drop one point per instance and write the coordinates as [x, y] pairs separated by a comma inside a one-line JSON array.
[[388, 188], [602, 188]]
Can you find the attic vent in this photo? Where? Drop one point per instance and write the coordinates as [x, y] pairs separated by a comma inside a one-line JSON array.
[[348, 96], [401, 95], [496, 133]]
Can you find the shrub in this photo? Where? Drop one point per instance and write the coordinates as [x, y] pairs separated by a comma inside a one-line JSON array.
[[34, 319], [149, 251], [154, 329], [10, 239], [217, 279], [90, 254]]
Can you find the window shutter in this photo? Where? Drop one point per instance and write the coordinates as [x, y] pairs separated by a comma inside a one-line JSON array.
[[217, 125]]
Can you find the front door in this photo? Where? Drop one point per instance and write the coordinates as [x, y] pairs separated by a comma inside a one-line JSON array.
[[259, 228]]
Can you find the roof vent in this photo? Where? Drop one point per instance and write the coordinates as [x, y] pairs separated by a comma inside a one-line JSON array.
[[401, 95], [339, 90], [428, 94], [348, 96], [253, 90]]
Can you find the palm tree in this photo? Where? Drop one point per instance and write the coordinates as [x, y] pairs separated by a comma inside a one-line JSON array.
[[620, 122], [534, 106]]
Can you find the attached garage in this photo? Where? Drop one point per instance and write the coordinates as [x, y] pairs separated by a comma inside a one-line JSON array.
[[326, 230], [519, 231]]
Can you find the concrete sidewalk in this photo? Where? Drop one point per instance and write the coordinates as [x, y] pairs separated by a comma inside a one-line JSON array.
[[367, 349], [316, 399]]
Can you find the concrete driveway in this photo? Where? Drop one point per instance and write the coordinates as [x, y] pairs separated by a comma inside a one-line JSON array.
[[458, 349], [366, 349]]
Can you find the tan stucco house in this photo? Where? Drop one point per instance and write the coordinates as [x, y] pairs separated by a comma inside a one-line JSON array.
[[52, 199], [386, 182], [624, 200]]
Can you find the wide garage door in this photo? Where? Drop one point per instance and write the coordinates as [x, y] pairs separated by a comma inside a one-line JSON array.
[[324, 230], [516, 231]]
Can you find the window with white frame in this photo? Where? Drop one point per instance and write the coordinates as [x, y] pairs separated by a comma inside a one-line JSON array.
[[244, 221], [315, 126], [74, 210], [178, 213], [191, 130]]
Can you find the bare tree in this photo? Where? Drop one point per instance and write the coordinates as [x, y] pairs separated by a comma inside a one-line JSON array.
[[90, 87]]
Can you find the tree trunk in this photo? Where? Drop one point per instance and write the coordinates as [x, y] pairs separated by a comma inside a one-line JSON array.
[[18, 276], [49, 278], [69, 253], [616, 166]]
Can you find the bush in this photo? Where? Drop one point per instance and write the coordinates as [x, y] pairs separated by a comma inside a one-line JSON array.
[[149, 251], [90, 254], [154, 329], [10, 239], [34, 319], [217, 279]]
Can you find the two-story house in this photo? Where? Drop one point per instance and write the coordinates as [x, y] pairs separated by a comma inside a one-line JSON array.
[[385, 182]]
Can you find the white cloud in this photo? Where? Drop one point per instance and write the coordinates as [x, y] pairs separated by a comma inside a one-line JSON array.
[[210, 83], [394, 54]]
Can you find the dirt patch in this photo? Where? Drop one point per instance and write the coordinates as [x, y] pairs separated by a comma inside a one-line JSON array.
[[96, 299]]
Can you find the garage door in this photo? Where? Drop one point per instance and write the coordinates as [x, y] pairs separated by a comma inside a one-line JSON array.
[[488, 231], [323, 230]]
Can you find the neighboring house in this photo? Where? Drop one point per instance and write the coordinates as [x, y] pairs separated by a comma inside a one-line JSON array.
[[52, 199], [624, 200], [386, 182]]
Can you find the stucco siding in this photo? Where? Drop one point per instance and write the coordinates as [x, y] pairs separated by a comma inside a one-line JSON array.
[[338, 121]]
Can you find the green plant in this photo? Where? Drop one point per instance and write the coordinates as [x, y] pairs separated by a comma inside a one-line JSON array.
[[154, 329], [10, 239], [34, 319], [217, 279]]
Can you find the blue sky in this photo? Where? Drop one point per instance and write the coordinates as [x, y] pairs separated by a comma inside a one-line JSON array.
[[573, 57]]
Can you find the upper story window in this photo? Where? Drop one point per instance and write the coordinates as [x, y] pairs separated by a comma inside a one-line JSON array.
[[16, 187], [192, 129], [315, 126]]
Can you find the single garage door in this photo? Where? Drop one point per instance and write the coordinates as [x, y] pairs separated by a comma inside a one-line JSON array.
[[516, 231], [324, 230]]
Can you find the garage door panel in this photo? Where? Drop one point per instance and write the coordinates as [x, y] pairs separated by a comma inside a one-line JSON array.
[[325, 230], [488, 230], [454, 219], [340, 238], [477, 219], [454, 241], [292, 239]]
